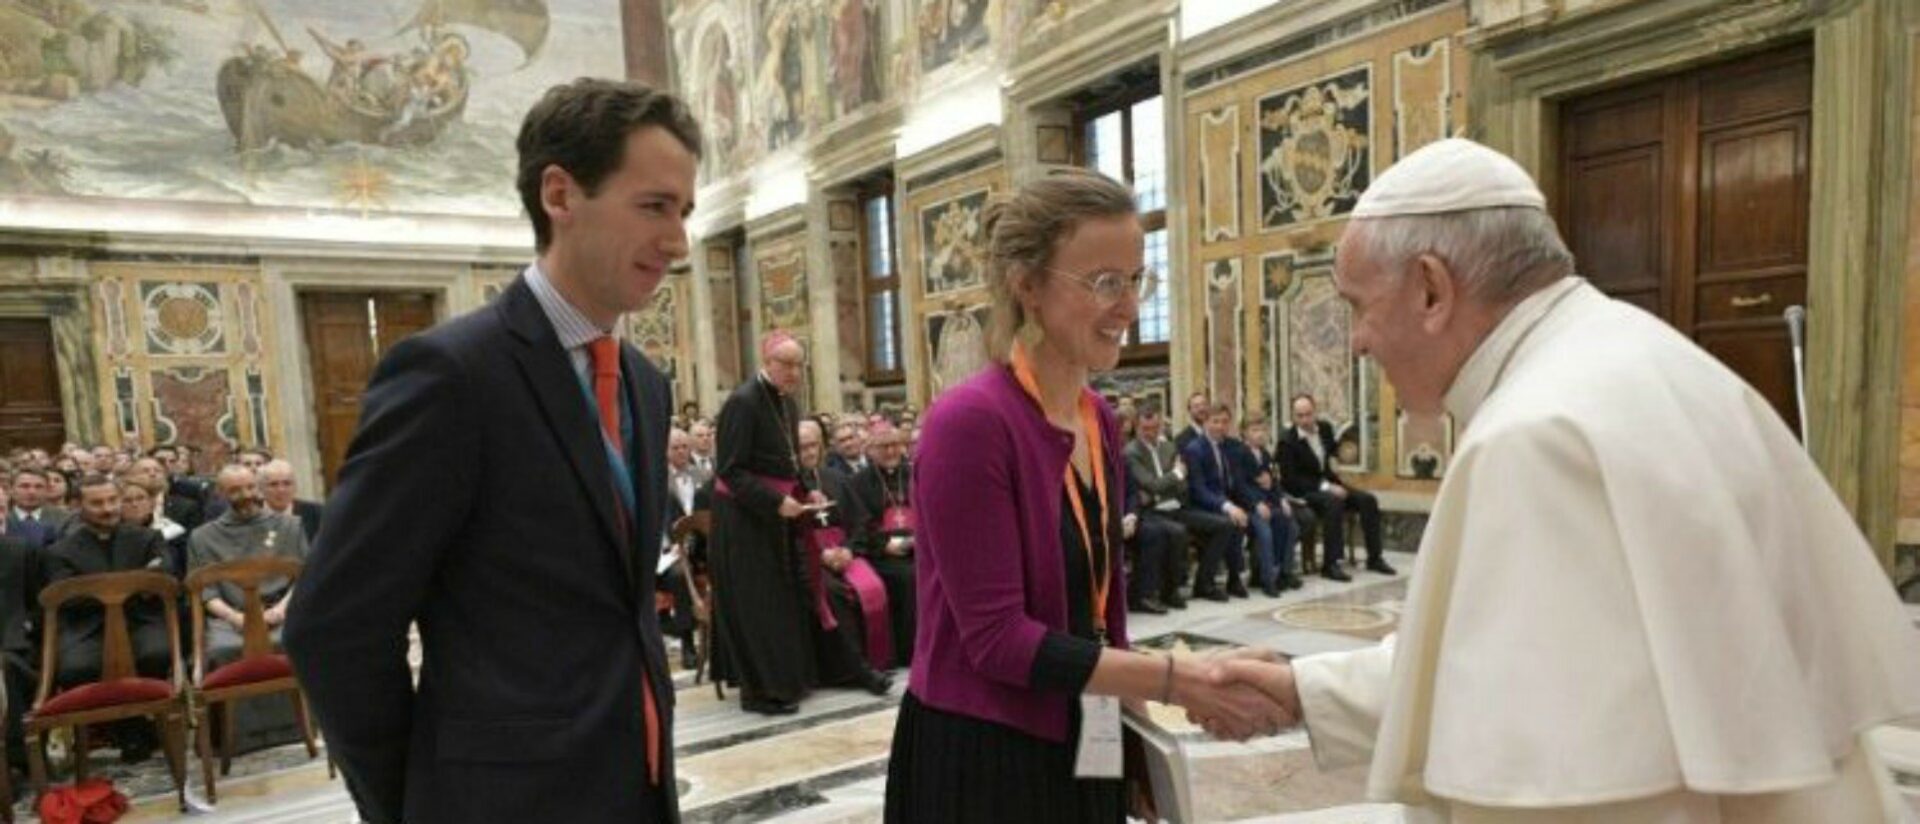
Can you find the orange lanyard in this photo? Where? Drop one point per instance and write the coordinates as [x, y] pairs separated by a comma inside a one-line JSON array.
[[1098, 584]]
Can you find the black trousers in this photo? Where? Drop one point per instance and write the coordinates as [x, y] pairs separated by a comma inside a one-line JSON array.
[[1160, 554], [1333, 515], [1221, 541]]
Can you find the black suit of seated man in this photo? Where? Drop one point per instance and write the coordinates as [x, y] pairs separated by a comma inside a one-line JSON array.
[[1306, 471]]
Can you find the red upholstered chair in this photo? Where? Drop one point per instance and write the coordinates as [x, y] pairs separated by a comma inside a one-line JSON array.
[[260, 669], [121, 692]]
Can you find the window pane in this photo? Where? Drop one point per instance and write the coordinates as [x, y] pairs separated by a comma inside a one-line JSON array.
[[1150, 155], [882, 320], [879, 238], [1103, 146], [1154, 314]]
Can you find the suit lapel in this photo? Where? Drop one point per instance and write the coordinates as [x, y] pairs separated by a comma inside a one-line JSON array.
[[556, 387]]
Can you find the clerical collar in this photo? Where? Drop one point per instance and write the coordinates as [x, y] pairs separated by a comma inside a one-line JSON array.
[[1482, 371]]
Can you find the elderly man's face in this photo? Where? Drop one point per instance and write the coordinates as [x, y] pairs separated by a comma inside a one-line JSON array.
[[889, 449], [811, 448], [1394, 324], [100, 506], [277, 487], [785, 365], [679, 449]]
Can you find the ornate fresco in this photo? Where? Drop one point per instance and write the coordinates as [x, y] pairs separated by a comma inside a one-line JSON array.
[[1315, 149], [782, 268], [1310, 329], [403, 106], [723, 294], [952, 252], [949, 30]]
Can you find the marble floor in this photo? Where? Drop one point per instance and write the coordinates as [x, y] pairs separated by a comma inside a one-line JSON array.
[[827, 764]]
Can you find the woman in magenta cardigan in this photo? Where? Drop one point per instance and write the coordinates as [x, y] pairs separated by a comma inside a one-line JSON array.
[[1020, 661]]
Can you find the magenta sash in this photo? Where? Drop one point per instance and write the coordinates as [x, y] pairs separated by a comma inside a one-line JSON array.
[[897, 519], [784, 486], [873, 606], [814, 540]]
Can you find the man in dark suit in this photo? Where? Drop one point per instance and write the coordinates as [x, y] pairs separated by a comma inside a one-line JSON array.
[[1197, 406], [100, 542], [277, 490], [507, 491], [1212, 487], [1306, 471], [19, 572], [31, 502]]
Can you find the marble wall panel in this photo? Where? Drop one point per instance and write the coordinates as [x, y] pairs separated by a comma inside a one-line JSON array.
[[195, 405], [1224, 333], [1219, 177], [1422, 95], [956, 345], [1316, 148], [848, 308]]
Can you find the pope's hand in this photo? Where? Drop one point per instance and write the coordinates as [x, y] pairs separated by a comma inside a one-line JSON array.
[[790, 508], [1226, 708], [1273, 680]]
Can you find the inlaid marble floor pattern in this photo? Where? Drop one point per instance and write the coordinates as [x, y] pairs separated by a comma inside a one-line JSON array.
[[827, 764]]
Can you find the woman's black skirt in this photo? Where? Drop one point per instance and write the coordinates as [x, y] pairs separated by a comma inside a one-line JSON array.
[[955, 769]]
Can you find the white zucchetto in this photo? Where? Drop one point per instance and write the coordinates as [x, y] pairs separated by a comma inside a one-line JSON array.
[[1451, 175]]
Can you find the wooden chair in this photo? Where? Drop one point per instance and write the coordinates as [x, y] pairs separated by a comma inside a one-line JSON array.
[[700, 523], [121, 692], [260, 669]]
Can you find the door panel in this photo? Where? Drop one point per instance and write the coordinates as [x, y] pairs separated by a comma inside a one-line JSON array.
[[1688, 196], [30, 412], [344, 344]]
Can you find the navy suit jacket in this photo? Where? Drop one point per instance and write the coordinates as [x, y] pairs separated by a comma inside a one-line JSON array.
[[477, 499], [35, 533], [1208, 488]]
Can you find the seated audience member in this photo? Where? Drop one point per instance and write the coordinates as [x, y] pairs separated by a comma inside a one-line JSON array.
[[884, 490], [1213, 486], [1197, 407], [245, 530], [27, 518], [1263, 473], [849, 449], [703, 442], [1275, 532], [277, 491], [19, 571], [35, 500], [136, 509], [850, 645], [101, 542], [1160, 491], [683, 490], [152, 473], [1306, 471]]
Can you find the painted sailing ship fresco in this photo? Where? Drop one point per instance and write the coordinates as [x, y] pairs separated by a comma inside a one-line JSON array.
[[400, 99], [370, 106]]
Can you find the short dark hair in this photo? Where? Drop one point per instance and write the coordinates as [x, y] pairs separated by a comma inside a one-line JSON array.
[[28, 470], [1148, 408], [1220, 408], [253, 450], [582, 127], [93, 479]]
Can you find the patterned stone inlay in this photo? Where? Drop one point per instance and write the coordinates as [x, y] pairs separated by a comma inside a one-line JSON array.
[[1335, 617]]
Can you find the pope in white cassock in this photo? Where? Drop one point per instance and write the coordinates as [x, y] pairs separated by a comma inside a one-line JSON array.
[[1636, 599]]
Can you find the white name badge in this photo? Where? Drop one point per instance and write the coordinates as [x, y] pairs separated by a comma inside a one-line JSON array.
[[1100, 754]]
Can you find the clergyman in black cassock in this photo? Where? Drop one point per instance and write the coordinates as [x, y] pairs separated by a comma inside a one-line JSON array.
[[886, 540]]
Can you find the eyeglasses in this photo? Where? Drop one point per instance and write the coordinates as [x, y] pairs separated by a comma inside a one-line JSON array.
[[1108, 287]]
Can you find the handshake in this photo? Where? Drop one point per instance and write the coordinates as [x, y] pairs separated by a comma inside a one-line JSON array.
[[1236, 694]]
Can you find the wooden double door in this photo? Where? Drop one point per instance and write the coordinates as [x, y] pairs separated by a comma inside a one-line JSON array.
[[30, 411], [1688, 195], [346, 334]]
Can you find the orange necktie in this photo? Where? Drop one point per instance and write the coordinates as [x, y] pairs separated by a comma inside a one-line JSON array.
[[605, 354]]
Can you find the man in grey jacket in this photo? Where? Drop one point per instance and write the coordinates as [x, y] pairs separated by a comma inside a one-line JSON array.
[[1160, 481]]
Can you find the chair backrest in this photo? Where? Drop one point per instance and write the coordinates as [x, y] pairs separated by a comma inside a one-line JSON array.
[[250, 575], [111, 590], [698, 523]]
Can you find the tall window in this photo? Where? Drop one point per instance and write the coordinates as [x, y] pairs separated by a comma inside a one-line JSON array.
[[1124, 137], [880, 282]]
